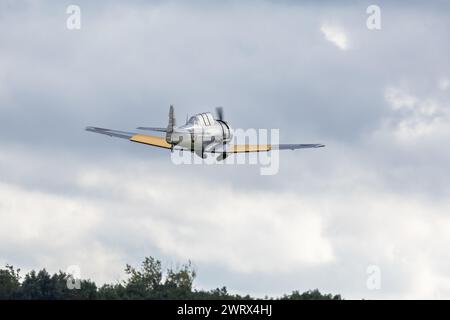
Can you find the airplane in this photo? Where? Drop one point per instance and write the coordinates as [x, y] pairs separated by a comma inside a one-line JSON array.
[[202, 134]]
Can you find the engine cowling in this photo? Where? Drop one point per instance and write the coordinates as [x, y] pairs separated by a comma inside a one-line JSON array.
[[227, 132]]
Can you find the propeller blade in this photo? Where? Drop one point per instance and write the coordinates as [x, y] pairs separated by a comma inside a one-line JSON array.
[[219, 112]]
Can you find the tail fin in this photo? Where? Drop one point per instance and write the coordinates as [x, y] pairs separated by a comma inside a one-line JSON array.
[[170, 125]]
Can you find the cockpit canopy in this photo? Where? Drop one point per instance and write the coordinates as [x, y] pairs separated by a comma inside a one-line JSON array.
[[202, 119]]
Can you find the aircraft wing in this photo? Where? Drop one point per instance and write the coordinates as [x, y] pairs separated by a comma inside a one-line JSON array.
[[152, 129], [233, 148], [151, 140], [240, 148], [297, 146], [131, 136]]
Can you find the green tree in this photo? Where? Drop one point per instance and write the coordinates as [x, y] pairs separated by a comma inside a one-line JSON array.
[[144, 283], [9, 282], [112, 292], [178, 282], [42, 285], [149, 281], [310, 295]]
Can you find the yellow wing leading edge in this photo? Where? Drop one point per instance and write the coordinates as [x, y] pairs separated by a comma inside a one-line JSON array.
[[240, 148], [151, 140]]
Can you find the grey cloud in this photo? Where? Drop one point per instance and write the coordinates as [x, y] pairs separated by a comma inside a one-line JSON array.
[[269, 65]]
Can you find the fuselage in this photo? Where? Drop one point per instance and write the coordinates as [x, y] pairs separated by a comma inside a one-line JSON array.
[[202, 133]]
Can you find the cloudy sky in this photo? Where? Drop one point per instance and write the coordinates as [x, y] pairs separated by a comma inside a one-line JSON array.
[[376, 198]]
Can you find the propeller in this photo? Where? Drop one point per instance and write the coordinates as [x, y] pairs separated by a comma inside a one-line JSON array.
[[219, 113]]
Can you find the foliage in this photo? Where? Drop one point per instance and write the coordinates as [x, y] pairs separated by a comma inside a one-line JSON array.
[[9, 282], [310, 295], [149, 281]]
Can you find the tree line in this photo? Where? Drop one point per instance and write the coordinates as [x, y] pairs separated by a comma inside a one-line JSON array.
[[149, 281]]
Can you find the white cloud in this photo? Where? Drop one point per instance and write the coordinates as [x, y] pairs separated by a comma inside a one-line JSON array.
[[246, 233], [335, 35], [415, 118], [259, 233], [54, 231], [444, 84], [399, 99]]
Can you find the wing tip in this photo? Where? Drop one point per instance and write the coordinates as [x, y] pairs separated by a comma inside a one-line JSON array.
[[89, 128], [297, 146]]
